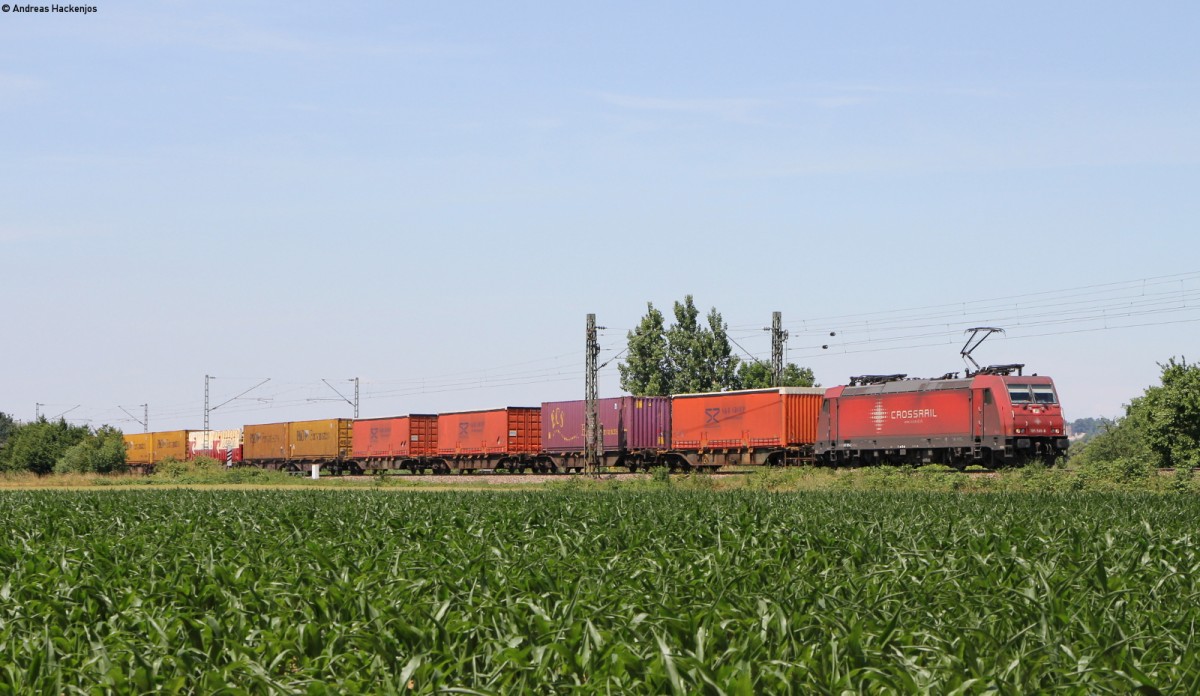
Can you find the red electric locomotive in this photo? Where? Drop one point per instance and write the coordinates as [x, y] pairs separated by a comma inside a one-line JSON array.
[[992, 417]]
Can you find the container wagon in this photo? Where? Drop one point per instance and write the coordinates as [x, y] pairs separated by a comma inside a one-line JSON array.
[[402, 442], [144, 450], [222, 445], [987, 419], [636, 432], [774, 426], [503, 438], [295, 445]]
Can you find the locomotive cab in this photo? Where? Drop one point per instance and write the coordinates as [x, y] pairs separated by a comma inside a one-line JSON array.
[[1035, 425]]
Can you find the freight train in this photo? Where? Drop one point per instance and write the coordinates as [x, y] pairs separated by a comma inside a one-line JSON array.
[[992, 417]]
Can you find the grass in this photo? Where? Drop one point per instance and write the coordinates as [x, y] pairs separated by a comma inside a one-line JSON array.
[[1031, 479], [646, 591], [1118, 476]]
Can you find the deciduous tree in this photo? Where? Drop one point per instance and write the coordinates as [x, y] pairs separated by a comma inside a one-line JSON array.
[[757, 375], [38, 446], [1162, 426], [694, 354], [647, 369]]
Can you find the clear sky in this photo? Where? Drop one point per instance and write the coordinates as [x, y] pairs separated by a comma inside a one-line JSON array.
[[431, 196]]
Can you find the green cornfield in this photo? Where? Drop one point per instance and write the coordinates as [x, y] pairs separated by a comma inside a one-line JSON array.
[[191, 591]]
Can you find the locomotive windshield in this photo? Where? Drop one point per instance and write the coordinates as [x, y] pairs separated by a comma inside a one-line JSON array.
[[1019, 394], [1044, 394], [1032, 394]]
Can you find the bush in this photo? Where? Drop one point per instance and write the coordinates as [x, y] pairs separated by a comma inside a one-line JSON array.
[[208, 470], [1184, 480], [172, 468], [1121, 471], [1124, 439], [101, 453]]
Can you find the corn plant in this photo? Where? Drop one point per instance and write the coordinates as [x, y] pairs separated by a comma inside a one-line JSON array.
[[657, 591]]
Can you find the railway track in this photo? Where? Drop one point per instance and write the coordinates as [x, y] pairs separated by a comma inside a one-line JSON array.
[[521, 476], [497, 476]]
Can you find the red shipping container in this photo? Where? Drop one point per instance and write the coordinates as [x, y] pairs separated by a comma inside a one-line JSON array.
[[750, 419], [512, 430], [628, 423], [389, 438]]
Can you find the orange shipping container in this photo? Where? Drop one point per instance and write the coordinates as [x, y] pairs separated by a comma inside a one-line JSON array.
[[265, 442], [319, 439], [512, 430], [750, 419], [403, 436]]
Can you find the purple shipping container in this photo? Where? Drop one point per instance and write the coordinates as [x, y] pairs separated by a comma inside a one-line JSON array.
[[629, 423]]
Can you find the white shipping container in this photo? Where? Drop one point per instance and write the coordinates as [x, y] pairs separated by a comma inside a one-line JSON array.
[[219, 440]]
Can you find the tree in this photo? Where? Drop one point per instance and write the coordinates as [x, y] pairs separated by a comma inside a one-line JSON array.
[[38, 446], [1087, 427], [1172, 415], [701, 355], [718, 361], [757, 375], [7, 425], [685, 350], [1162, 426], [647, 370], [692, 355]]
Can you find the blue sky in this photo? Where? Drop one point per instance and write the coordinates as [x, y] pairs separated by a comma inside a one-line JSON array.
[[431, 197]]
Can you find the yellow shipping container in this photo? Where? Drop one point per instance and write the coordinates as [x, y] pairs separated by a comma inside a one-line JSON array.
[[170, 444], [139, 449], [266, 442], [320, 440]]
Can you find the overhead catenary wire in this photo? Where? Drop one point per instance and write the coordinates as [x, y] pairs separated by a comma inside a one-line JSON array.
[[568, 375], [1000, 338], [1185, 299], [954, 330], [962, 305], [1169, 299]]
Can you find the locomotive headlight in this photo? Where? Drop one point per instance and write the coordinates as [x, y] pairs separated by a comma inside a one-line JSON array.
[[1020, 430], [1056, 431]]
